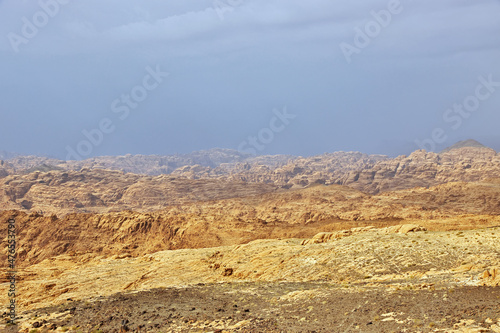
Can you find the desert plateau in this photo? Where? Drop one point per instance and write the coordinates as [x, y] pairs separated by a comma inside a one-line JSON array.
[[218, 241]]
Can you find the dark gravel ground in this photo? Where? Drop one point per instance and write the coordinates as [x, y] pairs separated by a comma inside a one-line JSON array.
[[263, 307]]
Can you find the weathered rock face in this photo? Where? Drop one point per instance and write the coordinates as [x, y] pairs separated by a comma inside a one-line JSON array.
[[101, 190], [299, 172], [371, 258], [73, 255], [26, 164], [157, 165], [291, 214], [232, 218], [324, 237], [369, 173], [4, 172], [491, 277], [5, 169], [427, 169], [98, 190]]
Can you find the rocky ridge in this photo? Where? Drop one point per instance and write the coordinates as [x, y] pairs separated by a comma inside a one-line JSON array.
[[462, 144], [97, 190], [467, 161], [368, 173], [292, 232], [291, 214]]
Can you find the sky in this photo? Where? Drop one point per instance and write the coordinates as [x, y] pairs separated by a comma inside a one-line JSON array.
[[113, 77]]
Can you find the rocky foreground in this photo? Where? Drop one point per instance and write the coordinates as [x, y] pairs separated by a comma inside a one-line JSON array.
[[278, 307], [399, 278], [467, 161]]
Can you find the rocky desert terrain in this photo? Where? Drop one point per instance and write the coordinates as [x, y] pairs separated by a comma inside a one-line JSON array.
[[98, 190], [218, 241], [467, 161]]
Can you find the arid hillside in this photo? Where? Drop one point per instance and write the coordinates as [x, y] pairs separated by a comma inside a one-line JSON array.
[[97, 190], [362, 279], [152, 165], [291, 214], [368, 173], [232, 243], [467, 161]]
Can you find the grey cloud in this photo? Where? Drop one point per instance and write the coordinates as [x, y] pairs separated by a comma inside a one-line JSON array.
[[227, 75]]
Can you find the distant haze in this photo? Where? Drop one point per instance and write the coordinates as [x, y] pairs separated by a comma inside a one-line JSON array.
[[88, 78]]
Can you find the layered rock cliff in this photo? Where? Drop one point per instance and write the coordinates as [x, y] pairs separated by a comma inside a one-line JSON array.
[[104, 190], [465, 161]]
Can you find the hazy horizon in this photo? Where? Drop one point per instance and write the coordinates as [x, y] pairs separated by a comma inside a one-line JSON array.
[[7, 155], [266, 77]]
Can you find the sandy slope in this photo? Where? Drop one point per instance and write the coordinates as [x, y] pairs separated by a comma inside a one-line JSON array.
[[389, 259]]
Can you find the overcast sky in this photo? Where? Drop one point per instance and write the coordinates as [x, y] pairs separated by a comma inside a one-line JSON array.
[[111, 77]]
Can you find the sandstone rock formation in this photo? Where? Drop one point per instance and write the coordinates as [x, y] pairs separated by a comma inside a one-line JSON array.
[[368, 173], [467, 161], [101, 191], [5, 169], [25, 164], [300, 172], [374, 258], [324, 237], [491, 277], [426, 169], [353, 222], [156, 165], [290, 214]]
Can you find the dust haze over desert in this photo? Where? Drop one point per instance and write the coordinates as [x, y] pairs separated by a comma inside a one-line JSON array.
[[249, 166]]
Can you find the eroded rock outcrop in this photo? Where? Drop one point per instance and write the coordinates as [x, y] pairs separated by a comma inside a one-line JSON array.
[[99, 190], [466, 161]]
